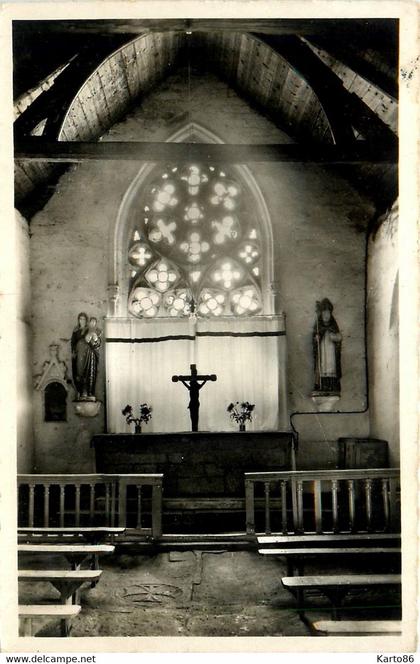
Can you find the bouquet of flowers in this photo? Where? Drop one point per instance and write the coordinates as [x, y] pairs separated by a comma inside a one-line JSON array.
[[241, 412], [145, 414]]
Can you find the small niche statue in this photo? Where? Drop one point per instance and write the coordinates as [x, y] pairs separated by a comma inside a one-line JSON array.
[[327, 351], [85, 344]]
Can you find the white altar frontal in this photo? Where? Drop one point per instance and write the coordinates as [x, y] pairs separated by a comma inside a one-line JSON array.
[[248, 355]]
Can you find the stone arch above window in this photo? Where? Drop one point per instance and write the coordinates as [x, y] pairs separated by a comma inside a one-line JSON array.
[[192, 237]]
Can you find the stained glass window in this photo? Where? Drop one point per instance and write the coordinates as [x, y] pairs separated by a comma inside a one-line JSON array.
[[195, 246]]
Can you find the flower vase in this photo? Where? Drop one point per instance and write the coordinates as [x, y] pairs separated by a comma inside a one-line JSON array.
[[137, 428], [242, 426]]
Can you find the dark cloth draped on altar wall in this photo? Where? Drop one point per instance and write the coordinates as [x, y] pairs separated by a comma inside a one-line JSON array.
[[248, 355]]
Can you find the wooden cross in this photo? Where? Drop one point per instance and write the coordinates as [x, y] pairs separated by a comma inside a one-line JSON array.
[[194, 387]]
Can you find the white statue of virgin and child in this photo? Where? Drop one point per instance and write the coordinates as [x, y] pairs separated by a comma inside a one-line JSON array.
[[85, 343]]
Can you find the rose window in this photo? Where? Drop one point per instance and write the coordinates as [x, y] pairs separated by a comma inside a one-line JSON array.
[[245, 300], [194, 178], [164, 197], [249, 253], [211, 303], [178, 303], [193, 213], [227, 274], [161, 276], [226, 229], [144, 302], [225, 194], [195, 246], [163, 231], [139, 255]]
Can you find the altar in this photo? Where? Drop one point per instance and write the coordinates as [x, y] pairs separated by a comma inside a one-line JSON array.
[[196, 464]]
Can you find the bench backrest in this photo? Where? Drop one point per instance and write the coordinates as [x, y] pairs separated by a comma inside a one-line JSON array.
[[130, 501], [323, 501]]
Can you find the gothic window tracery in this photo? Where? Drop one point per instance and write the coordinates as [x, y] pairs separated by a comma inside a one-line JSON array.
[[195, 246]]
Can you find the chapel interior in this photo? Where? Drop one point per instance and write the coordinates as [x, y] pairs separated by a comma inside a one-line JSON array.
[[207, 317]]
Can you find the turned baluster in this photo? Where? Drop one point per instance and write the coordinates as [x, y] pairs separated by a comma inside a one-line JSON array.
[[122, 503], [62, 504], [318, 506], [113, 500], [46, 505], [368, 494], [352, 505], [157, 510], [300, 505], [284, 506], [250, 507], [385, 497], [91, 502], [31, 504], [267, 507], [334, 494], [107, 501], [77, 506], [139, 519]]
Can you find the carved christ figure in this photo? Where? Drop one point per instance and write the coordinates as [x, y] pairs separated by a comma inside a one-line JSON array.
[[194, 386]]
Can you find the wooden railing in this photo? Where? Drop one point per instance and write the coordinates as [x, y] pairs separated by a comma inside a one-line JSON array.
[[321, 501], [131, 501]]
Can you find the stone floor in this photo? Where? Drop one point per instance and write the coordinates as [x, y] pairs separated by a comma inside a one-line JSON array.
[[188, 593]]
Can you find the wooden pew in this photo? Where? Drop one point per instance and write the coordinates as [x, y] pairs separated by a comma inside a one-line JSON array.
[[92, 535], [335, 588], [329, 539], [358, 627], [29, 612], [295, 557], [296, 547], [75, 554], [65, 581]]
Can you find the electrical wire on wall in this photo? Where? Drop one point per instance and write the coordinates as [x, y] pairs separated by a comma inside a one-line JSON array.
[[364, 410]]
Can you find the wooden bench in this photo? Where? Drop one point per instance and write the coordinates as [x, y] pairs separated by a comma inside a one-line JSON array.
[[329, 539], [336, 587], [28, 613], [76, 554], [93, 535], [295, 557], [65, 581], [358, 627]]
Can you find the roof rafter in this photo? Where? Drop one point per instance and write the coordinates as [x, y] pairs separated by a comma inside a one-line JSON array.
[[72, 151], [342, 108]]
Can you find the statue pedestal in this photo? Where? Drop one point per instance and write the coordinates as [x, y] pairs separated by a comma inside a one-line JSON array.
[[325, 403], [87, 408]]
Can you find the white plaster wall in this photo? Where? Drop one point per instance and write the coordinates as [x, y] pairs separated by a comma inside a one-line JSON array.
[[319, 252], [383, 356], [25, 437]]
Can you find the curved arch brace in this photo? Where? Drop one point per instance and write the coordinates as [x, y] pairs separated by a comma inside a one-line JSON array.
[[118, 282]]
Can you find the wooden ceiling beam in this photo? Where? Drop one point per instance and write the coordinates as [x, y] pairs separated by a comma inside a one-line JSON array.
[[38, 149], [382, 73], [325, 84], [54, 102], [361, 29], [342, 108]]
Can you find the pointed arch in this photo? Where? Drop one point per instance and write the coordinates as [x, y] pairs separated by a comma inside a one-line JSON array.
[[118, 278]]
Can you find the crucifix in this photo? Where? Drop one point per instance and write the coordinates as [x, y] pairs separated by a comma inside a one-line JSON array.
[[194, 387]]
